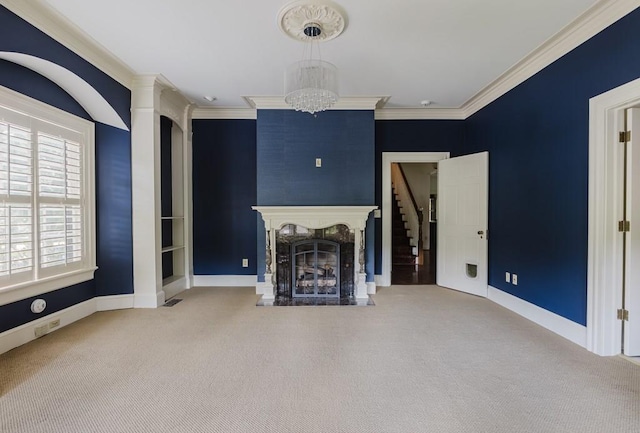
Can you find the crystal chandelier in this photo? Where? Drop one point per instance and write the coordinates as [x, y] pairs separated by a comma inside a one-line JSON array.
[[311, 85]]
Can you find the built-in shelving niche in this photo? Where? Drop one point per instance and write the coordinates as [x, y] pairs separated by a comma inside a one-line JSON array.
[[172, 206]]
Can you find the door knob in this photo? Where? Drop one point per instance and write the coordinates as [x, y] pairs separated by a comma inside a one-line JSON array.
[[480, 232]]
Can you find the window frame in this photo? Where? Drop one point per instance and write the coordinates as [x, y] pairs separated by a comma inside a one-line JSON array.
[[57, 118]]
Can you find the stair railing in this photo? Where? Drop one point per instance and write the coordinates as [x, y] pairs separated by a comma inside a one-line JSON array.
[[413, 213]]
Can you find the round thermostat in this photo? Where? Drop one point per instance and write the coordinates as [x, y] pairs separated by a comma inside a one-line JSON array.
[[38, 306]]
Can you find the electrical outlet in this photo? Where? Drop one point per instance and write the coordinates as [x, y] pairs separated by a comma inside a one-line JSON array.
[[318, 162], [514, 279], [507, 277], [39, 331], [54, 324], [245, 263]]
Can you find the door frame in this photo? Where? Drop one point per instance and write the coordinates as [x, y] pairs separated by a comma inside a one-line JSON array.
[[388, 158], [604, 257]]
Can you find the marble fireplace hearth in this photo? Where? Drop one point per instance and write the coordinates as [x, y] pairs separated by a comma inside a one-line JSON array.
[[315, 255]]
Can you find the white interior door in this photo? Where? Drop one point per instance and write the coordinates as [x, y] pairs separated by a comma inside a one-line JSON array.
[[632, 253], [462, 223]]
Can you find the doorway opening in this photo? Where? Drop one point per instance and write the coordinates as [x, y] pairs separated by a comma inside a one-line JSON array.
[[413, 254], [388, 159]]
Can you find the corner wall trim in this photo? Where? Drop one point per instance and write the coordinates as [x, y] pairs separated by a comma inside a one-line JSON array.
[[25, 333], [225, 280], [563, 327], [114, 302]]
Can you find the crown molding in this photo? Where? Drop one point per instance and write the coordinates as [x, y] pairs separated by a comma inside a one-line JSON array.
[[224, 113], [419, 114], [601, 15], [597, 18], [51, 22], [380, 114], [344, 102]]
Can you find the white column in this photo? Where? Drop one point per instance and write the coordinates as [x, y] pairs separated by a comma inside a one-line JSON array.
[[145, 178], [188, 192]]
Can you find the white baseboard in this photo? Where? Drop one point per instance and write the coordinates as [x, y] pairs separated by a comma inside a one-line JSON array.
[[371, 288], [25, 333], [551, 321], [381, 281], [148, 301], [225, 280], [174, 286], [114, 302]]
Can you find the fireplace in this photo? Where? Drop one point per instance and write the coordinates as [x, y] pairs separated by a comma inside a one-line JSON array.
[[314, 252], [315, 269], [314, 263]]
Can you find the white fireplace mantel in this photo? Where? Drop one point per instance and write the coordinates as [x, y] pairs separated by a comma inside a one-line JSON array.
[[315, 217]]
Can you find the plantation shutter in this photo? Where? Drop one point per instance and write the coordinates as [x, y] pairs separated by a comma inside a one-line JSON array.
[[60, 200], [16, 213], [41, 198], [47, 205]]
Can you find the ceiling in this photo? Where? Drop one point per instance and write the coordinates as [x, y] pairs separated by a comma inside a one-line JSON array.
[[445, 51]]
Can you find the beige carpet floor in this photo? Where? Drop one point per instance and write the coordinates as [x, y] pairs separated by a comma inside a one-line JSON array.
[[424, 359]]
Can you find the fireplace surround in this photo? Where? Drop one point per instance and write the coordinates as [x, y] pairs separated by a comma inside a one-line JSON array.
[[316, 218]]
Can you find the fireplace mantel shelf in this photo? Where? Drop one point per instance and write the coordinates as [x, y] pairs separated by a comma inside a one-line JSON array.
[[315, 217]]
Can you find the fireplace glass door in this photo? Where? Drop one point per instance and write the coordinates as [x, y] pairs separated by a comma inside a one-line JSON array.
[[316, 269]]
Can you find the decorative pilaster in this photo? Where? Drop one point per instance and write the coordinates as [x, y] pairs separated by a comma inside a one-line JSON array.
[[268, 286], [361, 277], [268, 259]]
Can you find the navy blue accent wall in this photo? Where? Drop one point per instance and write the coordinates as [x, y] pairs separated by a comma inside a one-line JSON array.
[[224, 189], [113, 203], [287, 147], [17, 35], [18, 313], [411, 136], [289, 143], [113, 165], [537, 138]]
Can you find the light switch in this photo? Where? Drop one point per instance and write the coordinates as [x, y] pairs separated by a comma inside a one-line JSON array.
[[245, 263], [318, 162]]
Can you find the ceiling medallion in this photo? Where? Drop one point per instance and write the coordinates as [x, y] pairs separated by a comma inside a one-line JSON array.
[[296, 18], [311, 85]]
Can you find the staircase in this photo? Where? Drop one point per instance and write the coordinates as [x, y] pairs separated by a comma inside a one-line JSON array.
[[402, 251]]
